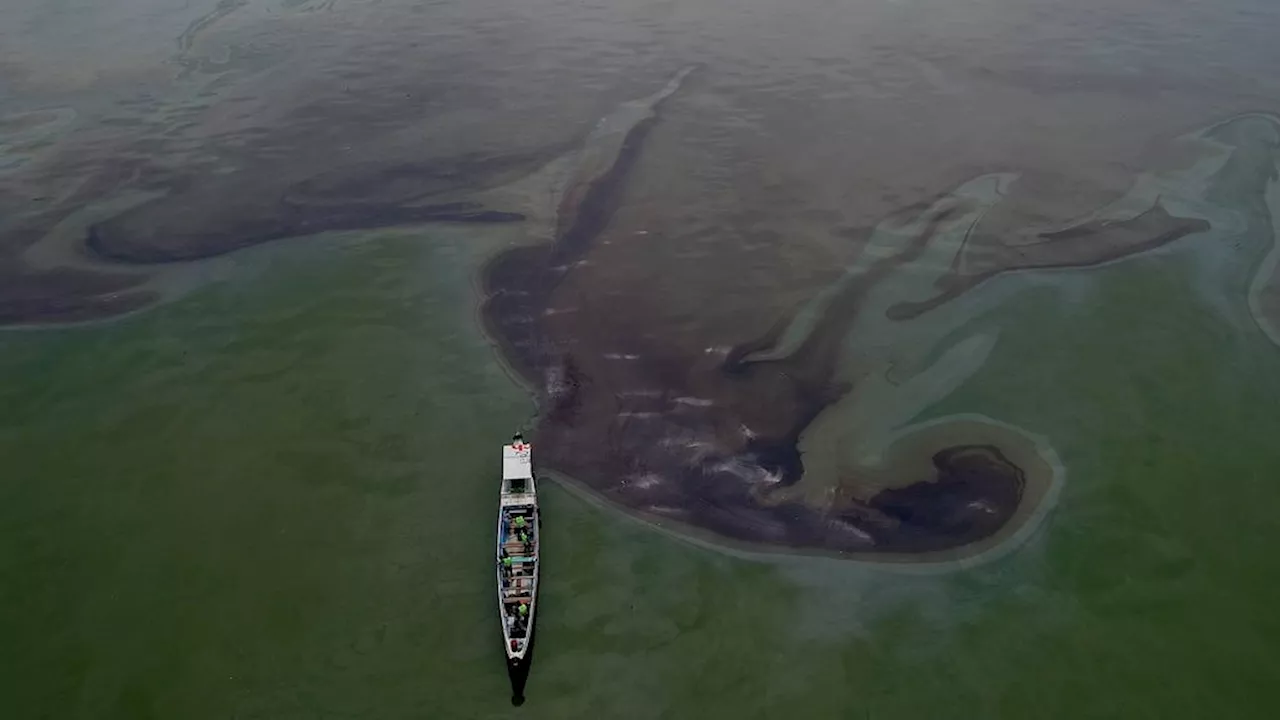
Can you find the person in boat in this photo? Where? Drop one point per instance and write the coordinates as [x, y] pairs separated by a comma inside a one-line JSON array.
[[506, 564], [527, 540], [523, 610], [519, 523]]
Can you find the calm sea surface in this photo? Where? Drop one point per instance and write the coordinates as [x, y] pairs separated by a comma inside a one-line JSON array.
[[271, 495]]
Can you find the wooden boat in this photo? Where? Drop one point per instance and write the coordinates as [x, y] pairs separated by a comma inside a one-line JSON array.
[[519, 539]]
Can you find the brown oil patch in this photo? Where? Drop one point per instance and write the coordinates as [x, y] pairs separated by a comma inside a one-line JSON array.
[[950, 489], [217, 216], [710, 438], [1093, 242]]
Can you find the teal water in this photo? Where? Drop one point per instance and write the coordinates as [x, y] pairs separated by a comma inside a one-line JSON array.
[[272, 499]]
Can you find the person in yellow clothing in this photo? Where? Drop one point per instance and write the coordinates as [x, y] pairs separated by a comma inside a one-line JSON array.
[[522, 619]]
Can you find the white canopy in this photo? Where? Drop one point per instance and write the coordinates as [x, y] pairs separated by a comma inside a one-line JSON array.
[[517, 462]]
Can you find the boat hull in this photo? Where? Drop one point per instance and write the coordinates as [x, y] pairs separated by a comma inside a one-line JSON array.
[[518, 560]]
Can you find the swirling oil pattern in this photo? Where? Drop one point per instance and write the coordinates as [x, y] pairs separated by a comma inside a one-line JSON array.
[[882, 359], [794, 416]]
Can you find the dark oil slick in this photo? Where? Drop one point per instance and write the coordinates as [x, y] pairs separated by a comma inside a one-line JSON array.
[[712, 441], [978, 301], [238, 215], [709, 444]]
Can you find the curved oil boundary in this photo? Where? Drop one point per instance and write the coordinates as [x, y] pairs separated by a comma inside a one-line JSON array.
[[1014, 535], [717, 454]]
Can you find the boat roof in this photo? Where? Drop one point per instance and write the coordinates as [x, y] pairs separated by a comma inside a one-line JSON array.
[[517, 462]]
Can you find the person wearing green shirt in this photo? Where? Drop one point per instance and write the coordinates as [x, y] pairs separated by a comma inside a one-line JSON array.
[[519, 522], [523, 610], [506, 564]]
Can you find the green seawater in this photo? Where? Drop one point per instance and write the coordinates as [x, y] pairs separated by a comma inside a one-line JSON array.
[[273, 498]]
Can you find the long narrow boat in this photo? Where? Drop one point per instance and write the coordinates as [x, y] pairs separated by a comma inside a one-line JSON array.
[[518, 545]]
